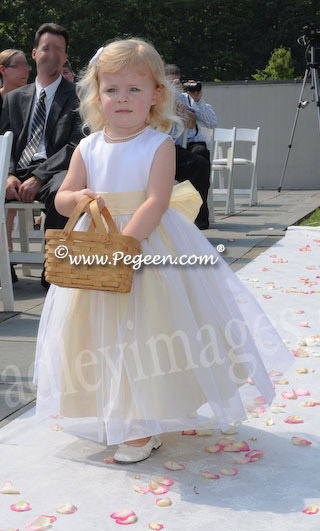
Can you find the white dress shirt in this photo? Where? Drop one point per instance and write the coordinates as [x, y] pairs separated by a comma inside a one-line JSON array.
[[50, 94]]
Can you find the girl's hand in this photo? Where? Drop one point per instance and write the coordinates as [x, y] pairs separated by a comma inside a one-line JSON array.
[[86, 192]]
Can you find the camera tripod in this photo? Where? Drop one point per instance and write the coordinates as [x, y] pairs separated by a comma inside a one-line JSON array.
[[312, 73]]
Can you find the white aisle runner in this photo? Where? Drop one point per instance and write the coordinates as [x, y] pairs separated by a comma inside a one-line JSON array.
[[51, 467]]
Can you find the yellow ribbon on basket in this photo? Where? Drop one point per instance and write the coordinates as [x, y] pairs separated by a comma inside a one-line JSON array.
[[184, 198]]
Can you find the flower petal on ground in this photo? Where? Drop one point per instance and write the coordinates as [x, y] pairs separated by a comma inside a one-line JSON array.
[[8, 488], [20, 506], [311, 509], [300, 353], [66, 508], [156, 527], [203, 433], [229, 471], [172, 465], [302, 370], [301, 392], [280, 404], [156, 488], [208, 475], [269, 422], [131, 520], [141, 490], [242, 445], [308, 403], [164, 502], [164, 480], [255, 455], [39, 523], [281, 382], [293, 419], [123, 514], [231, 448], [189, 432], [289, 396], [297, 441], [214, 449]]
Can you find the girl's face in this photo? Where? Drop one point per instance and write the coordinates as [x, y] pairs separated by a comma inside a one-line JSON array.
[[126, 98], [16, 73]]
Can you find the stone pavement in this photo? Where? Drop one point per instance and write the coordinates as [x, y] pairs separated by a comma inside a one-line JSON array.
[[245, 235]]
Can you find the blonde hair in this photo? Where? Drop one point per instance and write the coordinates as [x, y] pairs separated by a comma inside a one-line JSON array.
[[6, 56], [120, 54]]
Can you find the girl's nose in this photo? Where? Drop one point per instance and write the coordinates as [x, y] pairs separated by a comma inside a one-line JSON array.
[[122, 96]]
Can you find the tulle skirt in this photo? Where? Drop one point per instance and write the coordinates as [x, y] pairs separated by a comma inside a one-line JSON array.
[[176, 353]]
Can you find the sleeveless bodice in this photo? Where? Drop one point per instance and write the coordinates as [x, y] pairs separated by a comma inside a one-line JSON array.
[[122, 166]]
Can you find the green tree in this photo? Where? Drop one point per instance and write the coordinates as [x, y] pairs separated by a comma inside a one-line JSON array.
[[280, 66]]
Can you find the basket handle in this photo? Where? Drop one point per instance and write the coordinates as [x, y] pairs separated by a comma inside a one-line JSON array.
[[96, 218], [80, 207]]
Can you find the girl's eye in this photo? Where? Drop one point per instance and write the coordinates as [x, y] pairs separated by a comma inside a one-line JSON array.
[[134, 89], [110, 90]]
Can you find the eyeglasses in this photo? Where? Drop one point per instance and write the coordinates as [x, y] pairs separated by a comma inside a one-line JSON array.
[[20, 65]]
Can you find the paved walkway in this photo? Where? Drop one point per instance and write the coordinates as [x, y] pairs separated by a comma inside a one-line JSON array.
[[245, 235]]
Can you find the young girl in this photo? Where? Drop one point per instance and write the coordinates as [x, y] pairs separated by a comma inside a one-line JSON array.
[[174, 353]]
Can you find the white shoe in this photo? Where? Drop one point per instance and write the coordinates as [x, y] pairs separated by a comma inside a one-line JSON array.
[[132, 454]]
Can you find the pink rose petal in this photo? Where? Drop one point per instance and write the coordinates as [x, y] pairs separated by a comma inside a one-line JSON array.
[[208, 475], [289, 396], [172, 465], [297, 441], [164, 480], [300, 353], [311, 509], [228, 471], [56, 416], [302, 370], [189, 432], [164, 502], [304, 324], [214, 449], [301, 392], [123, 514], [254, 455], [40, 523], [141, 490], [66, 508], [298, 311], [273, 373], [231, 448], [156, 488], [293, 419], [243, 446], [130, 520], [8, 488], [203, 433], [308, 403], [280, 404], [264, 269], [156, 527], [267, 296], [20, 506]]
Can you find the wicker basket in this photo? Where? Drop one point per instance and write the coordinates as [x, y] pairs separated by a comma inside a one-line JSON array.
[[110, 277]]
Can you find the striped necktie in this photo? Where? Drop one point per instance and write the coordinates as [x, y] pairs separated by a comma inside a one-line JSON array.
[[38, 122]]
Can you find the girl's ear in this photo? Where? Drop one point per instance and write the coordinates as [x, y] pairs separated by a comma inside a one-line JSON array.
[[156, 95]]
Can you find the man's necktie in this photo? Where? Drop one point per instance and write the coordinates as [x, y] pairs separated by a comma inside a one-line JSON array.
[[38, 122]]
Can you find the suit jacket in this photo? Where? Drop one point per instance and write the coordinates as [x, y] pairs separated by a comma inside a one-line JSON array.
[[62, 133]]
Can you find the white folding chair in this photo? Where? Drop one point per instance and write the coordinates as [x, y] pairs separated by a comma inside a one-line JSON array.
[[223, 141], [27, 233], [248, 136], [6, 290]]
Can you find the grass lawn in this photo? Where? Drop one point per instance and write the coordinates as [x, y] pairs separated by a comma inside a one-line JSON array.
[[313, 220]]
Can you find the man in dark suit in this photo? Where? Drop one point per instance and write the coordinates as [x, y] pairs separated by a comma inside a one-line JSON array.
[[45, 124]]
